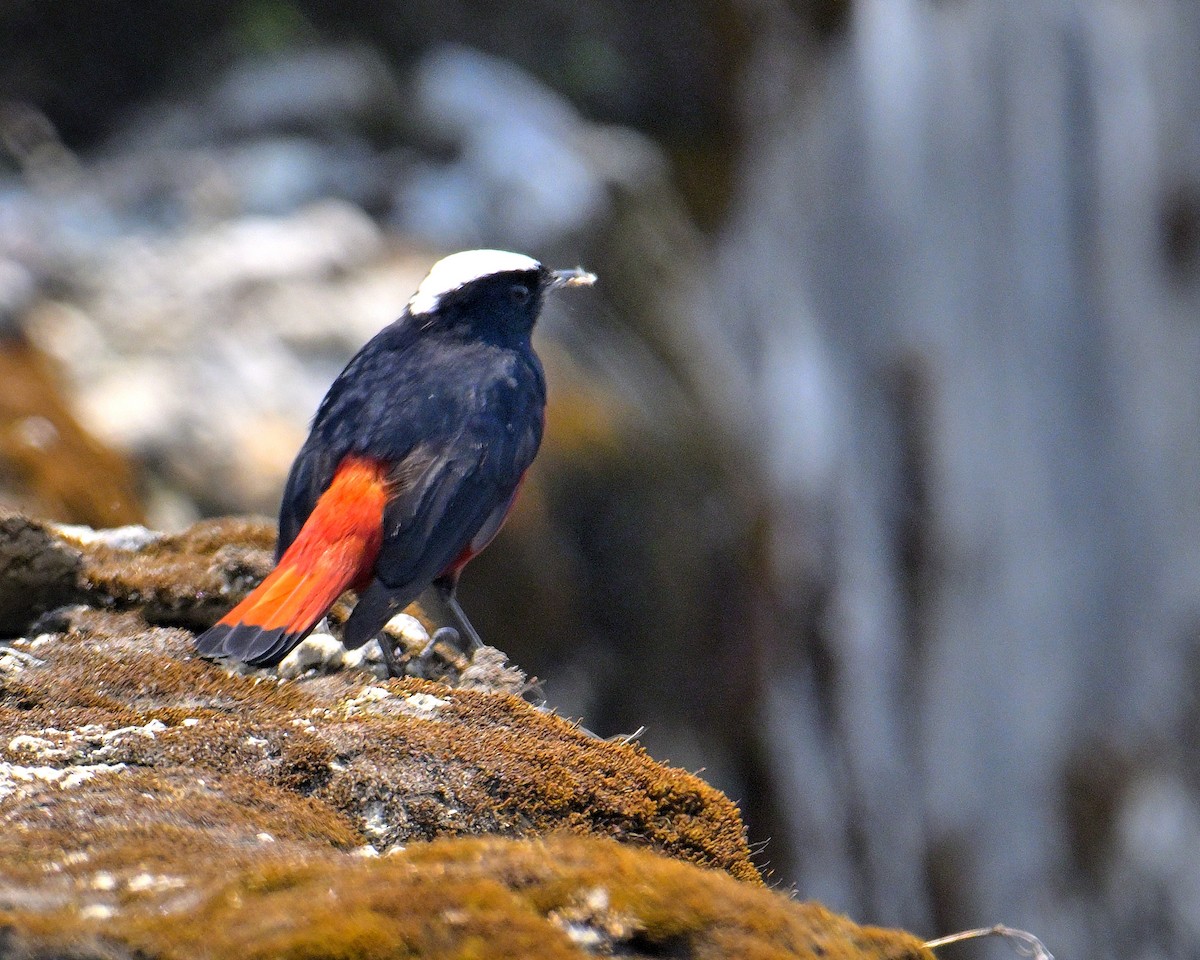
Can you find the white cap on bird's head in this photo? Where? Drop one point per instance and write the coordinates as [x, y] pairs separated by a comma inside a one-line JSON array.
[[455, 271]]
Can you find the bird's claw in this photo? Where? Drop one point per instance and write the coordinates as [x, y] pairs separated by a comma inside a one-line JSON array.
[[446, 635]]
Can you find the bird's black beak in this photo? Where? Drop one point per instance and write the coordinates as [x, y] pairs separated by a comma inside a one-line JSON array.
[[576, 277]]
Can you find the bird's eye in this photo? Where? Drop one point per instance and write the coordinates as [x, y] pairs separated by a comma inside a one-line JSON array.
[[519, 293]]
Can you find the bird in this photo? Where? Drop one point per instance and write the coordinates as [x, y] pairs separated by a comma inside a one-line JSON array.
[[412, 462]]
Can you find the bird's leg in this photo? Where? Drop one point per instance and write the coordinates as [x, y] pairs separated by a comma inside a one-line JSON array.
[[446, 587], [389, 658], [473, 638]]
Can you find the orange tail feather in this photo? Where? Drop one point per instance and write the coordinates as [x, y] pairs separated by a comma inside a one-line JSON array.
[[335, 549]]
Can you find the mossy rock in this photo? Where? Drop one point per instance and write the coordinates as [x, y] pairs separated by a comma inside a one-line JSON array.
[[159, 805], [400, 760]]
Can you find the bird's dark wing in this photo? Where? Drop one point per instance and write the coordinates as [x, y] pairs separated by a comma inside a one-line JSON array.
[[440, 501], [348, 415], [430, 525]]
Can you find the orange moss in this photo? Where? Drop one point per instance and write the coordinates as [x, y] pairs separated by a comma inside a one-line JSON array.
[[190, 578], [562, 898], [63, 470]]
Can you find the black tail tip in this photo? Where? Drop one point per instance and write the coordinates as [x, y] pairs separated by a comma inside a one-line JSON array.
[[252, 645], [211, 643]]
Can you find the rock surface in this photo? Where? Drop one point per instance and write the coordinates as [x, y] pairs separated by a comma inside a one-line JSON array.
[[185, 579], [157, 805]]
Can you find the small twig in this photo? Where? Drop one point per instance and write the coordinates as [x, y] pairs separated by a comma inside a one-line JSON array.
[[624, 739], [1026, 944]]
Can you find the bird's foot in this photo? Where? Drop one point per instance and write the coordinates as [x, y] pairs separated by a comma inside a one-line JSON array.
[[446, 635]]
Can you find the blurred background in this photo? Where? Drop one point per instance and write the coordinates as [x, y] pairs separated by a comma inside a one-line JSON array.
[[872, 479]]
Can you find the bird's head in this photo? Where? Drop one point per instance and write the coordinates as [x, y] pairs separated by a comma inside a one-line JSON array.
[[488, 292]]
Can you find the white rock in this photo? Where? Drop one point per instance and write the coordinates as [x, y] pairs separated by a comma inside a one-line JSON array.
[[423, 705], [104, 881], [39, 746], [321, 650], [409, 629], [132, 537], [15, 777]]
